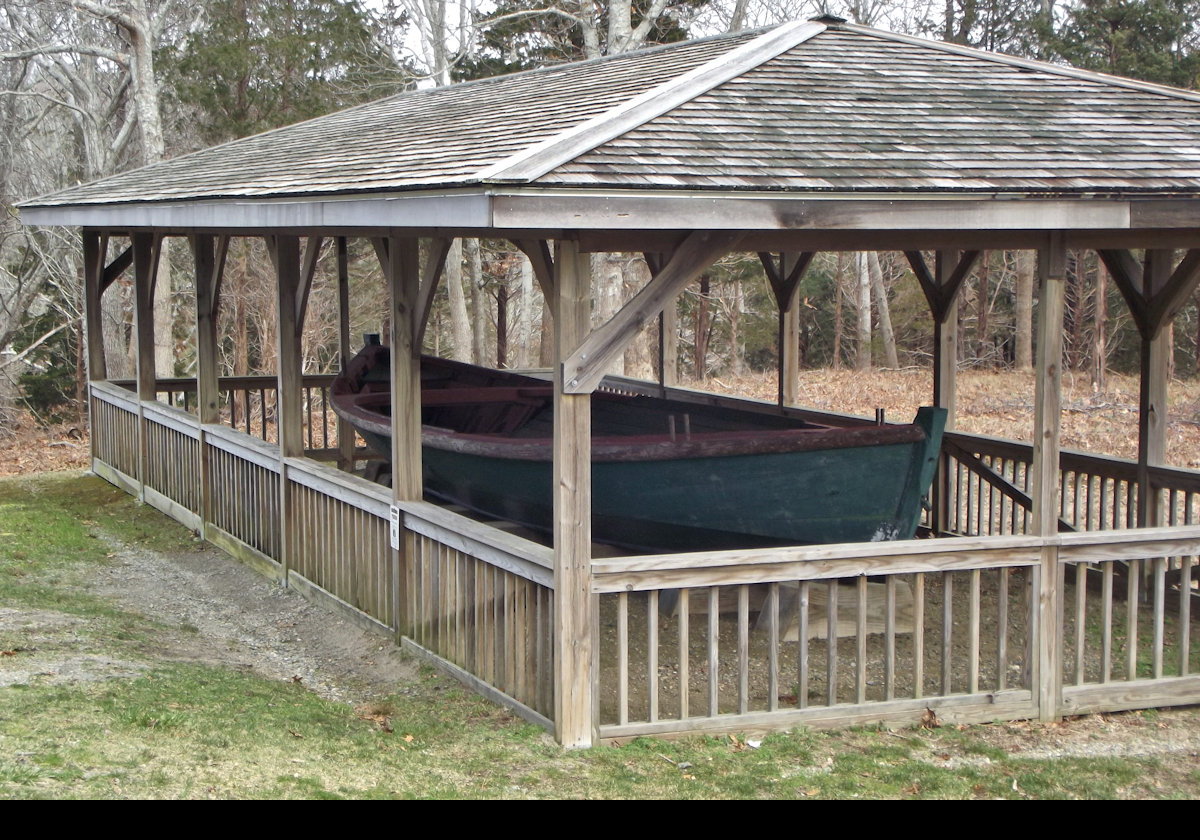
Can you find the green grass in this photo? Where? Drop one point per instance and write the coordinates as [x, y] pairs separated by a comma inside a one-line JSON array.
[[179, 731]]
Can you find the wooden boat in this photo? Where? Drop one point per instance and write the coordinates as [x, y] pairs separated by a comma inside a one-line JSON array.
[[666, 475]]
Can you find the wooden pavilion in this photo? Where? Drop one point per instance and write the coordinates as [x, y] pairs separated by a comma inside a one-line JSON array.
[[1063, 582]]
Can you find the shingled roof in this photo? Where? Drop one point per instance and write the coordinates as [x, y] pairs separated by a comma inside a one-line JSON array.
[[812, 109]]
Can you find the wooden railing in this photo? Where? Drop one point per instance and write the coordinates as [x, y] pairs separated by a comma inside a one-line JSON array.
[[339, 538], [248, 404], [1122, 646], [716, 641], [482, 600], [474, 599], [812, 635], [989, 479]]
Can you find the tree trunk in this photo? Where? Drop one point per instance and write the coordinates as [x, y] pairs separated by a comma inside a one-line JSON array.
[[1023, 333], [460, 326], [838, 320], [862, 359], [983, 295], [479, 303], [885, 315], [700, 339], [1100, 333], [524, 283], [502, 326]]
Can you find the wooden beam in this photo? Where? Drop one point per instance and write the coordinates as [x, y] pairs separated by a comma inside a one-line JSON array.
[[941, 292], [308, 270], [1152, 388], [404, 275], [784, 278], [1127, 274], [586, 365], [1052, 267], [286, 256], [209, 263], [575, 607], [116, 268], [345, 430], [94, 246], [1174, 292], [538, 252], [438, 249]]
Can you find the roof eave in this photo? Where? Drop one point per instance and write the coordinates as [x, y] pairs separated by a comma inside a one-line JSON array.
[[500, 209]]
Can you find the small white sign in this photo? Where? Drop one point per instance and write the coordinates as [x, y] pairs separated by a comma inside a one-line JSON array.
[[395, 527]]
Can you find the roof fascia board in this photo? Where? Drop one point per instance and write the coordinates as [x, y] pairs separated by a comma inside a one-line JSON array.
[[650, 212], [464, 210], [1024, 63], [537, 160]]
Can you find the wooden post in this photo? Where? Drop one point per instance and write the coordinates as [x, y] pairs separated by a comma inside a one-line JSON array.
[[145, 263], [1052, 267], [945, 383], [789, 346], [288, 402], [945, 342], [403, 274], [576, 628], [345, 430], [1152, 393], [668, 328], [209, 262], [668, 345], [94, 247]]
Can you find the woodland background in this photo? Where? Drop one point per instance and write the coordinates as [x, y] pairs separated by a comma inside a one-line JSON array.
[[93, 87]]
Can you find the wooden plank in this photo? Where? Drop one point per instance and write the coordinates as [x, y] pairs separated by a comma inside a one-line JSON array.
[[478, 685], [652, 654], [810, 563], [1142, 694], [963, 708], [430, 277], [714, 650], [860, 636], [585, 364], [684, 653], [803, 594], [574, 603], [623, 657], [1152, 393], [743, 648]]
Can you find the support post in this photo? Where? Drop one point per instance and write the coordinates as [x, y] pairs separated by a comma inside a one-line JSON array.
[[945, 382], [344, 429], [404, 281], [1052, 267], [576, 628], [1152, 392], [145, 263], [209, 262], [288, 403], [94, 247]]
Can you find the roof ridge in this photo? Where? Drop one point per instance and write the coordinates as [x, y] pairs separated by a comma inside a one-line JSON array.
[[535, 161], [1025, 63]]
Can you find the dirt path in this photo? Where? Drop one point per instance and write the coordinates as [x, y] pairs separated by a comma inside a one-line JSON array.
[[217, 611]]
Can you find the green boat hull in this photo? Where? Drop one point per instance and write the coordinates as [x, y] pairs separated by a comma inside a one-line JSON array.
[[855, 494]]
